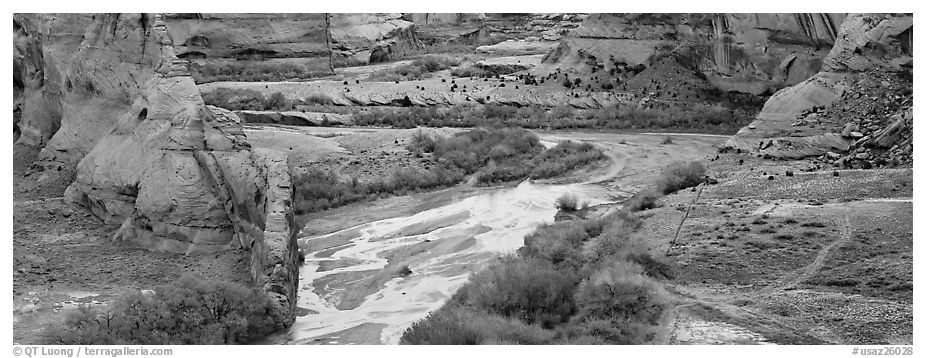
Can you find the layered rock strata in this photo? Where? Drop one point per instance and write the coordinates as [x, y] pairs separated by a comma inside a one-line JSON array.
[[148, 154]]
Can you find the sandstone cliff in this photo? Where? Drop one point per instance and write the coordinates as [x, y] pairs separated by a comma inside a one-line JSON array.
[[861, 101], [294, 39], [747, 53], [42, 46], [150, 155]]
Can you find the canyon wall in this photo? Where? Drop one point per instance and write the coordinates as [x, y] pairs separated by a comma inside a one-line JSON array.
[[356, 39], [748, 53], [147, 153], [856, 112]]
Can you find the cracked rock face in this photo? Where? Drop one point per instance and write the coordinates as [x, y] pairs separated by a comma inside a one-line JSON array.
[[747, 53], [797, 121], [179, 176], [43, 44], [357, 39]]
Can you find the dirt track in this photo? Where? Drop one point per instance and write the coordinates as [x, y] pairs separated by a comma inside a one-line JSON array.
[[803, 265]]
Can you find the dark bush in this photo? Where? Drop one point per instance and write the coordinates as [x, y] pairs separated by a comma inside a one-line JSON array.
[[678, 176], [235, 99], [189, 311], [459, 324], [563, 158], [616, 302], [528, 289], [646, 199], [319, 99], [559, 244], [418, 69], [567, 202], [250, 71], [277, 102], [621, 293]]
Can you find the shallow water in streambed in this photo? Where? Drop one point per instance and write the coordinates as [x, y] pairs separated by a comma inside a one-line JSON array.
[[368, 283]]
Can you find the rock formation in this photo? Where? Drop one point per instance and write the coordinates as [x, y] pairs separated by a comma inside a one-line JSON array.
[[150, 155], [357, 39], [861, 99], [746, 53], [43, 45]]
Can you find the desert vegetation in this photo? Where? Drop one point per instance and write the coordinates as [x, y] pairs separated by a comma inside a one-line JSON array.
[[568, 202], [250, 71], [554, 291], [697, 118], [688, 118], [247, 99], [679, 175], [494, 155], [419, 68], [188, 311]]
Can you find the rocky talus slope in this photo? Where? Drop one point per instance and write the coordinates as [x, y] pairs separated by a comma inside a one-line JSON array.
[[149, 155], [856, 112]]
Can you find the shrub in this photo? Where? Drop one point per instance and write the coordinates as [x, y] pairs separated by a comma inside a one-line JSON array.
[[559, 244], [813, 224], [319, 99], [528, 289], [421, 143], [278, 102], [470, 71], [250, 71], [615, 303], [652, 267], [460, 324], [235, 99], [608, 331], [567, 202], [320, 190], [189, 311], [621, 293], [615, 243], [565, 157], [644, 200], [418, 69], [678, 176]]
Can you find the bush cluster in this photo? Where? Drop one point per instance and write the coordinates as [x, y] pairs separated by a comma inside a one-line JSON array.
[[420, 68], [563, 158], [494, 154], [576, 282], [248, 99], [250, 71], [189, 311], [320, 190], [696, 117]]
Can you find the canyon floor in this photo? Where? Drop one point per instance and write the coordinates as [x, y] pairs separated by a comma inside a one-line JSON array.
[[813, 258], [763, 257]]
